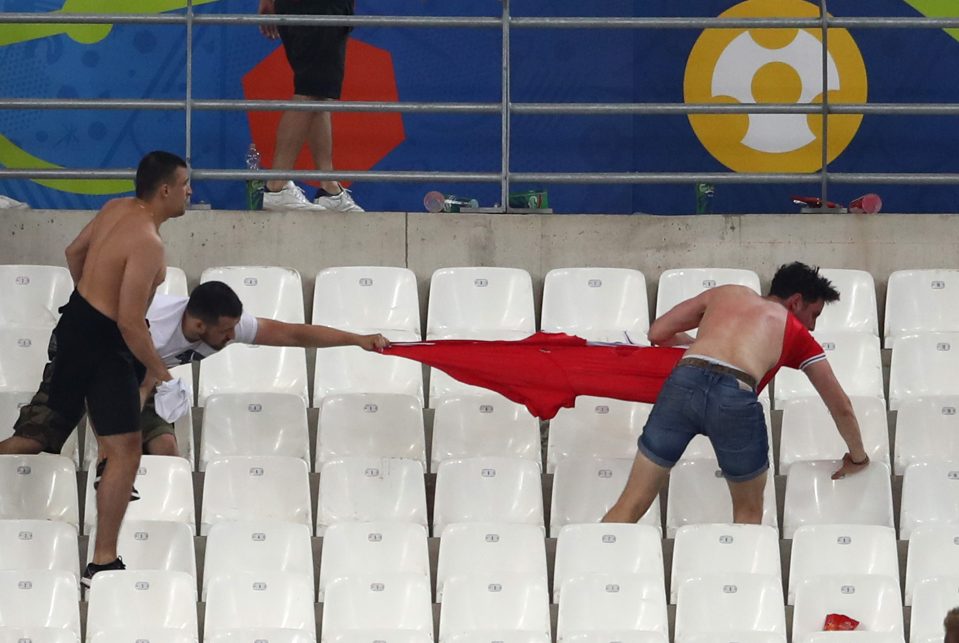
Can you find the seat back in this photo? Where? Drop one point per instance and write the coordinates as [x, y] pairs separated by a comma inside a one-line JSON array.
[[480, 303], [366, 298], [486, 425], [266, 291], [384, 425], [254, 424], [598, 304], [595, 427], [923, 366], [32, 295], [856, 309]]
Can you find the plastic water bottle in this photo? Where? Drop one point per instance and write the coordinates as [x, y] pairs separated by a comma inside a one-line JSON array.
[[439, 202], [704, 198], [254, 187]]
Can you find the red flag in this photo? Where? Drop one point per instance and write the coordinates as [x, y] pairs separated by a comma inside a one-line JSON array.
[[546, 371]]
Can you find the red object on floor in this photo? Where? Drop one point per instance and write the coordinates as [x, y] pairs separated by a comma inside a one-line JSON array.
[[839, 623], [546, 371]]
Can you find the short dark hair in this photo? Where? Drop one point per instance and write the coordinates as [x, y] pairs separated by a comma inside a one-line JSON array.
[[214, 299], [799, 278], [155, 169]]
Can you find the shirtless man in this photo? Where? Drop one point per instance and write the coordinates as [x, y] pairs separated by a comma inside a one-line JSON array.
[[101, 349], [743, 339]]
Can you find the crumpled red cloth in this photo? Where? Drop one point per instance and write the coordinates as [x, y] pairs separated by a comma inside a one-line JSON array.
[[546, 371], [839, 623]]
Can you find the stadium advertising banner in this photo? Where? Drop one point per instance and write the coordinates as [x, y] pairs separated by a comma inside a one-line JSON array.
[[718, 66]]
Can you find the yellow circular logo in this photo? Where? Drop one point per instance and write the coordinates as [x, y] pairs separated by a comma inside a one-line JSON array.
[[729, 66]]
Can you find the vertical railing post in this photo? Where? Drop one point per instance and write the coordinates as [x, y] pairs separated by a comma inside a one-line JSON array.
[[505, 115], [824, 18], [188, 147]]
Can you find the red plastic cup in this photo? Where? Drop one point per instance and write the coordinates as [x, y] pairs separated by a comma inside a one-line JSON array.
[[866, 204]]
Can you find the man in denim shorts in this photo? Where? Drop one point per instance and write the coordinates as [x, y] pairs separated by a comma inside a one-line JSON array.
[[743, 339]]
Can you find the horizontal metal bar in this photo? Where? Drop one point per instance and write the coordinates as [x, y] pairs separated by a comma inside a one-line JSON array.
[[478, 22], [611, 178], [585, 109], [250, 19]]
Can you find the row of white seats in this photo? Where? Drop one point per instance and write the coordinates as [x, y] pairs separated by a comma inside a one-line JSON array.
[[356, 549], [921, 367], [720, 605], [472, 490], [391, 426], [595, 301]]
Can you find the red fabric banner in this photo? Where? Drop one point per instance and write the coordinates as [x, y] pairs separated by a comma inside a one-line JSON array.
[[546, 371]]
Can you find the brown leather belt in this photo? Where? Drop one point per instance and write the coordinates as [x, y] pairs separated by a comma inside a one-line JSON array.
[[705, 364]]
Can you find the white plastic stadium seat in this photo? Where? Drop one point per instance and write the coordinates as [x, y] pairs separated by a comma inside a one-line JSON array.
[[260, 600], [813, 498], [874, 601], [809, 432], [931, 600], [262, 635], [39, 544], [608, 636], [698, 494], [144, 635], [927, 430], [607, 548], [256, 546], [165, 484], [389, 636], [23, 354], [174, 284], [377, 603], [32, 295], [856, 360], [40, 598], [256, 487], [740, 636], [254, 424], [930, 496], [371, 548], [480, 303], [856, 309], [266, 291], [584, 489], [933, 552], [598, 304], [487, 489], [613, 601], [513, 636], [350, 369], [10, 404], [367, 299], [700, 550], [140, 600], [722, 604], [384, 425], [923, 366], [820, 550], [494, 602], [678, 285], [486, 425], [920, 301], [42, 487], [161, 545], [39, 635], [254, 369], [371, 490], [469, 549], [596, 427]]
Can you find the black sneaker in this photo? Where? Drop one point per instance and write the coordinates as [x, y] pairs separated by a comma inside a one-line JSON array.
[[101, 465], [92, 570]]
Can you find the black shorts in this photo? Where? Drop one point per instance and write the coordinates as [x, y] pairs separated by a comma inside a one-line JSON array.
[[316, 54], [90, 366]]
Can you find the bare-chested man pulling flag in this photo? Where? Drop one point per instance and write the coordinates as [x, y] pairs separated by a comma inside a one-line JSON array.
[[743, 339], [101, 350]]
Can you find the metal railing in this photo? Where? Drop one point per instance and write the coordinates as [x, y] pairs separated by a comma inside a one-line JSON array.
[[505, 108]]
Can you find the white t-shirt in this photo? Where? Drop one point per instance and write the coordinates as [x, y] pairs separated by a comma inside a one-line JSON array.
[[166, 327]]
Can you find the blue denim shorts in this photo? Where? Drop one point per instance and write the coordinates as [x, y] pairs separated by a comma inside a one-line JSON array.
[[695, 400]]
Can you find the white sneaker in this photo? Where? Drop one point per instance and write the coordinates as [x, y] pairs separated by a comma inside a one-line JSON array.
[[342, 202], [291, 197], [7, 203]]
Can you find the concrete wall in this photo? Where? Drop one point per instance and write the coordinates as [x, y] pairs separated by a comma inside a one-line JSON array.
[[310, 242]]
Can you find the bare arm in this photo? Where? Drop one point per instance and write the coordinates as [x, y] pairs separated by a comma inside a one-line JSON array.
[[76, 252], [270, 31], [824, 380], [669, 329], [275, 333], [136, 289]]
